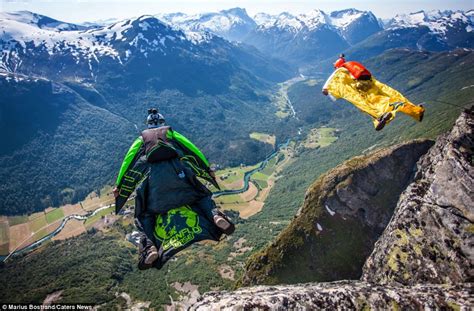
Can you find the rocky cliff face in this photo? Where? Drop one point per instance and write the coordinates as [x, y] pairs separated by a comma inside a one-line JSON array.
[[427, 245], [430, 237], [344, 213]]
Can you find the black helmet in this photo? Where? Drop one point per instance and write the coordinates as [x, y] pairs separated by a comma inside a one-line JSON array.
[[154, 118]]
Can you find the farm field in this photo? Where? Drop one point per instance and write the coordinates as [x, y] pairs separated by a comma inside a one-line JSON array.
[[265, 138], [17, 232]]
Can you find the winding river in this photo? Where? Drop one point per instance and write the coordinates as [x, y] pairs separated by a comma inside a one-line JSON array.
[[216, 194], [249, 174]]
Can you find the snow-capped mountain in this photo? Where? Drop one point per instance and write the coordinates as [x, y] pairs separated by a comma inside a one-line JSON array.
[[432, 31], [311, 36], [39, 21], [236, 25], [133, 44], [264, 19], [27, 43], [355, 25], [232, 24], [439, 22], [293, 38]]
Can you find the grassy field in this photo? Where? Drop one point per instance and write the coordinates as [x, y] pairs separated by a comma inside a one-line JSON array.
[[4, 249], [3, 232], [265, 138], [262, 184], [320, 138], [228, 199], [16, 220], [260, 175], [54, 215], [38, 223]]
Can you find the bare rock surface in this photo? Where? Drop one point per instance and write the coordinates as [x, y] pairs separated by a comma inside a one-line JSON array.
[[341, 295], [430, 237]]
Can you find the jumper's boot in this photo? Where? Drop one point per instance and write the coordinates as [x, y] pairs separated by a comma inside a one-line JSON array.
[[380, 123], [147, 253], [422, 113], [223, 222]]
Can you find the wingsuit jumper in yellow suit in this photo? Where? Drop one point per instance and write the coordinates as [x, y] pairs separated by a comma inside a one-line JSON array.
[[376, 99]]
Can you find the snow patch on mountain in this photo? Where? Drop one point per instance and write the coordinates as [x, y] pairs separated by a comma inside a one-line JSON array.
[[39, 21], [287, 21], [343, 19], [13, 32], [314, 19], [437, 21], [264, 19], [220, 23], [198, 37]]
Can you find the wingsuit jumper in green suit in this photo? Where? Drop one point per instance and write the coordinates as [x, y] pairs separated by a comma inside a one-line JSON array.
[[165, 185]]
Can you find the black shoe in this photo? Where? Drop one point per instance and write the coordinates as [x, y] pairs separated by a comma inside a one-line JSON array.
[[147, 254], [383, 120], [422, 113], [223, 222]]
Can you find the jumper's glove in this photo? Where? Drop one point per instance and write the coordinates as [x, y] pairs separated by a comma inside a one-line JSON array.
[[325, 92], [116, 192]]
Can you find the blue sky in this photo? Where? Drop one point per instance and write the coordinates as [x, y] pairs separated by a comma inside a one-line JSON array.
[[91, 10]]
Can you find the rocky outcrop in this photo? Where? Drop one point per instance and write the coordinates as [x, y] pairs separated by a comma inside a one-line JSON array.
[[344, 213], [424, 258], [342, 295], [430, 237]]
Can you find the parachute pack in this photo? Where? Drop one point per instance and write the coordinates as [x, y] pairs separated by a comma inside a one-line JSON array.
[[357, 70], [155, 145]]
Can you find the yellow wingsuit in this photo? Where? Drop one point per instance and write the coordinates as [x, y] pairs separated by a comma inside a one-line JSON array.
[[370, 96]]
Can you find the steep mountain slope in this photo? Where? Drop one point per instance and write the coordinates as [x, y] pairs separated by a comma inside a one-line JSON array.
[[418, 254], [344, 213], [212, 91], [57, 146]]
